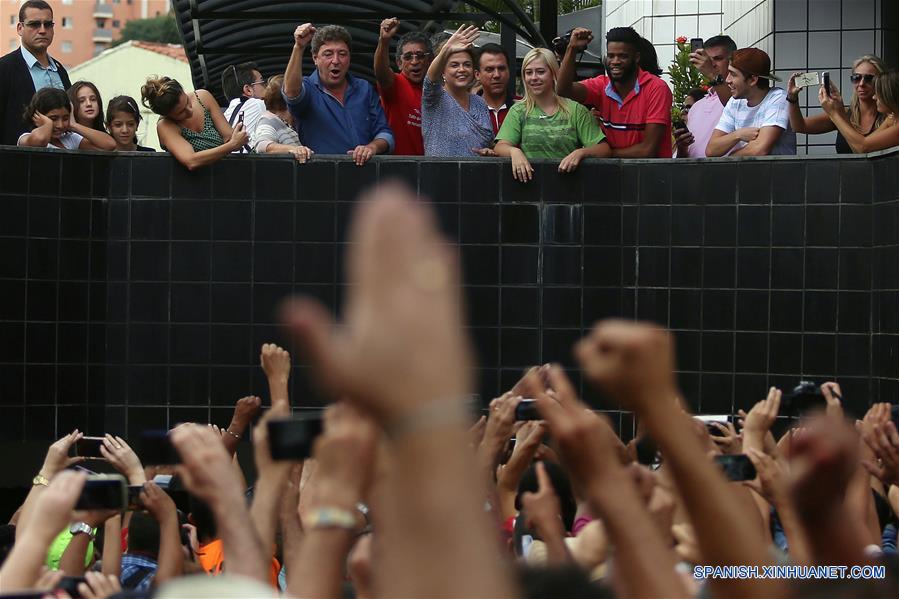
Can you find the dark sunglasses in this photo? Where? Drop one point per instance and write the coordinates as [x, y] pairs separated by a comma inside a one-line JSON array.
[[37, 24], [418, 55], [856, 77]]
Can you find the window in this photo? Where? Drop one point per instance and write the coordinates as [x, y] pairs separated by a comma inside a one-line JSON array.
[[116, 24], [67, 47], [67, 22], [101, 23]]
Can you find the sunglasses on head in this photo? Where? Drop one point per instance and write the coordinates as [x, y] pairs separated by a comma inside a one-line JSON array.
[[856, 77], [37, 24], [418, 55]]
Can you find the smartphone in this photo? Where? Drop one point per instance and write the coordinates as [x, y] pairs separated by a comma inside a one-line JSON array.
[[103, 492], [695, 44], [156, 449], [240, 117], [709, 419], [527, 410], [679, 124], [89, 447], [826, 77], [134, 502], [69, 584], [805, 397], [807, 79], [293, 438], [736, 467]]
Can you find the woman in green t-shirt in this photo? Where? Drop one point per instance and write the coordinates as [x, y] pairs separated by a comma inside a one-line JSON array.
[[545, 125]]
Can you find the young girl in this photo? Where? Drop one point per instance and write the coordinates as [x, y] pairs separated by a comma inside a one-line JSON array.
[[88, 105], [545, 125], [49, 113], [122, 119]]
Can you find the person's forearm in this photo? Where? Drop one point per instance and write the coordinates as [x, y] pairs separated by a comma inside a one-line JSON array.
[[383, 72], [72, 560], [797, 120], [435, 70], [413, 518], [565, 78], [27, 508], [600, 150], [379, 145], [293, 74], [206, 157], [111, 562], [756, 147], [291, 527], [171, 558], [239, 540], [796, 539], [719, 146], [39, 137], [504, 149], [319, 568], [644, 149], [264, 510], [278, 389], [23, 565], [98, 139], [553, 536]]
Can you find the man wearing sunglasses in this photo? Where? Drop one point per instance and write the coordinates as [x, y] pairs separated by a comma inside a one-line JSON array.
[[28, 69], [401, 92], [244, 87]]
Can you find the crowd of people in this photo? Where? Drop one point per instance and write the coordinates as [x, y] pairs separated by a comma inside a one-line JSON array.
[[449, 98], [408, 494]]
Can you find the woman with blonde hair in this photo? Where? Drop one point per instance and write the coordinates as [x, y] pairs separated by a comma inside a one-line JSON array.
[[545, 125], [886, 96], [193, 127], [862, 113]]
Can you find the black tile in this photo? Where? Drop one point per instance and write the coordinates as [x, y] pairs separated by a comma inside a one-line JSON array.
[[602, 266], [99, 218], [273, 221], [753, 268], [654, 225], [480, 264], [718, 267], [479, 224], [43, 217], [561, 187], [652, 306], [520, 348], [748, 390], [520, 224], [273, 262], [439, 181], [13, 252], [602, 181], [822, 225], [40, 423], [191, 219], [189, 344], [819, 355], [855, 226], [719, 183], [602, 225], [561, 307], [232, 178], [15, 211], [150, 219], [190, 302], [786, 268], [40, 342], [629, 266], [116, 344], [856, 182], [820, 268], [480, 181], [717, 310], [315, 263], [513, 191], [267, 300], [76, 172], [191, 184], [73, 301], [754, 226], [820, 311], [688, 348], [687, 184], [141, 419], [720, 225], [151, 178], [232, 221], [12, 385], [41, 300], [686, 225], [482, 304], [12, 300], [72, 383], [74, 259], [148, 343], [718, 352], [116, 179], [403, 171], [190, 260], [855, 269], [230, 303], [853, 355], [231, 345], [149, 260], [786, 310], [754, 182], [189, 385], [149, 302], [118, 219], [557, 346], [685, 309], [561, 265], [519, 265], [40, 384], [629, 225], [752, 310], [200, 415], [788, 225], [655, 183], [14, 163], [822, 182], [315, 182], [99, 260], [486, 343], [600, 304], [790, 177], [231, 261], [751, 352], [448, 220], [315, 222], [520, 307], [274, 179], [562, 223], [855, 312], [44, 176], [716, 394], [653, 265], [43, 261], [75, 218]]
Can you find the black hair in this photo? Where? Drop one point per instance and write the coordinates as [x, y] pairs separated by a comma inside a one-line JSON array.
[[414, 37], [561, 485], [202, 518], [697, 94], [99, 120], [122, 104], [38, 4], [143, 534], [626, 35], [649, 60], [45, 100], [161, 94], [721, 40], [490, 48], [235, 77]]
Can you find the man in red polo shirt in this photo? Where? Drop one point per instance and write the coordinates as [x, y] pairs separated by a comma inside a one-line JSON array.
[[401, 92], [633, 106]]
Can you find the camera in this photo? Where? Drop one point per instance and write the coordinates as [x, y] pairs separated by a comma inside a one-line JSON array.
[[805, 397]]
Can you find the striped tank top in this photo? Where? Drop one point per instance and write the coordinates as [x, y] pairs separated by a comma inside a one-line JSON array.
[[208, 138]]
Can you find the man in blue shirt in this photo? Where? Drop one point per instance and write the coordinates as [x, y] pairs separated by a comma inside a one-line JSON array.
[[335, 113], [28, 69]]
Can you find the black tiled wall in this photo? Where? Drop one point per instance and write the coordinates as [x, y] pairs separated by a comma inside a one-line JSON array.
[[136, 294]]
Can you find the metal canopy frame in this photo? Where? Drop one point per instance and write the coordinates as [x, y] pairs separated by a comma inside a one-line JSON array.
[[217, 33]]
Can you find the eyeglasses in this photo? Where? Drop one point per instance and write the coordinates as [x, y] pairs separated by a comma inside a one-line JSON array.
[[419, 55], [38, 24], [258, 83], [856, 77]]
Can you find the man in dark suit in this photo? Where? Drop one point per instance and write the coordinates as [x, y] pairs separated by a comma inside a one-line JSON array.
[[28, 69]]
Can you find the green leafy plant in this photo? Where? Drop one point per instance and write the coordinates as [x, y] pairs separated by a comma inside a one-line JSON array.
[[684, 76]]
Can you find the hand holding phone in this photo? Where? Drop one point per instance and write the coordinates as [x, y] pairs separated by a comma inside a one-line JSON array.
[[527, 410], [736, 467], [696, 44], [293, 438], [806, 79], [89, 448], [826, 82], [103, 492]]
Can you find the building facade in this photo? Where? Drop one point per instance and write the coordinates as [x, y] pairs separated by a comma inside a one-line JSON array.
[[83, 28], [799, 35]]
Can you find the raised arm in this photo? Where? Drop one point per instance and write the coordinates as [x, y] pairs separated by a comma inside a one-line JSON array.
[[461, 39], [245, 411], [820, 123], [270, 482], [162, 508], [42, 133], [566, 86], [293, 75], [883, 138], [383, 73]]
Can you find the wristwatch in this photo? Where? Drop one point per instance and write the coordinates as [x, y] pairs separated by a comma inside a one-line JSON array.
[[79, 527], [40, 479]]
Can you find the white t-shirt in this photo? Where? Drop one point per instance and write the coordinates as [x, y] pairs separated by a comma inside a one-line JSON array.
[[252, 109], [69, 140], [772, 111]]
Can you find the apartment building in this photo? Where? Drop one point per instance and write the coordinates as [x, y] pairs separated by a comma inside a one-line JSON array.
[[84, 28]]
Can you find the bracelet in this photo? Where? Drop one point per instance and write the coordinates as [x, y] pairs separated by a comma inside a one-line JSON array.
[[796, 101], [235, 435], [334, 517], [443, 413]]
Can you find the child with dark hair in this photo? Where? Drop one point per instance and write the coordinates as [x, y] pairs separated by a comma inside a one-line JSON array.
[[88, 105], [123, 118], [50, 115]]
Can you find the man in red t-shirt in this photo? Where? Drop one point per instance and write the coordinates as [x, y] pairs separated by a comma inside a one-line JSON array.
[[632, 105], [401, 92]]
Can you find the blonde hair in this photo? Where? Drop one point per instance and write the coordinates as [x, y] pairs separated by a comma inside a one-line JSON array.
[[855, 114], [549, 58], [161, 94]]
